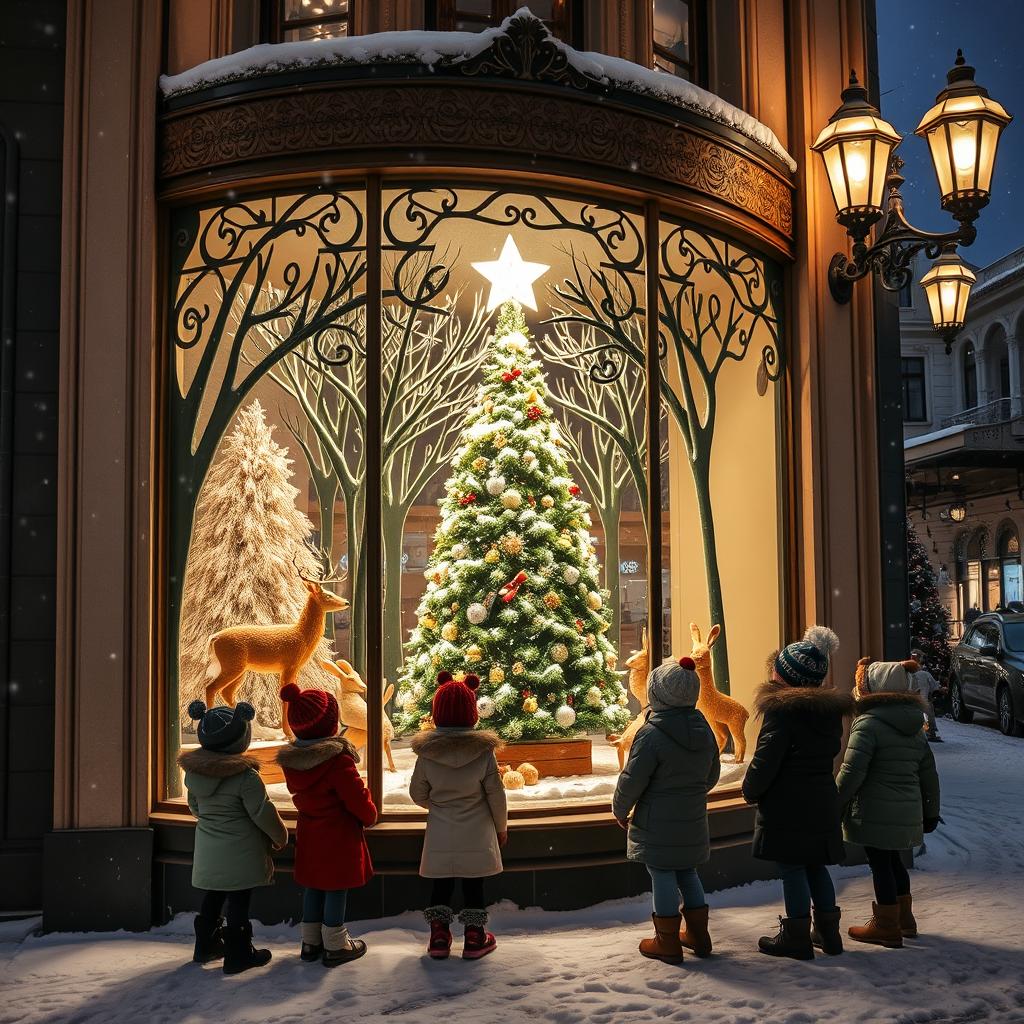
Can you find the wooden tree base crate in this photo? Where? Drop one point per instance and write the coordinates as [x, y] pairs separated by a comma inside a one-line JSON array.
[[552, 758]]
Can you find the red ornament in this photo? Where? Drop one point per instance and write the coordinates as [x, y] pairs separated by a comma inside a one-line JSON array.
[[526, 693], [579, 625], [568, 700], [510, 375], [509, 591], [531, 500], [574, 490], [467, 499], [533, 413]]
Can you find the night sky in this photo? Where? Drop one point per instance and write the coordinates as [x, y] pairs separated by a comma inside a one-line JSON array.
[[917, 43]]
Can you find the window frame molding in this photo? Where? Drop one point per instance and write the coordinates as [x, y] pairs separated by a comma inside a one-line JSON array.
[[699, 44]]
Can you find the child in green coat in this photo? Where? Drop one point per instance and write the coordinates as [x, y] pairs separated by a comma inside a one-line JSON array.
[[889, 789], [237, 828]]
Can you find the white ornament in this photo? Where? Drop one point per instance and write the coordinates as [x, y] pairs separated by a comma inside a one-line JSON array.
[[459, 550], [495, 485], [511, 499], [593, 697], [570, 574], [485, 707], [476, 613], [565, 716]]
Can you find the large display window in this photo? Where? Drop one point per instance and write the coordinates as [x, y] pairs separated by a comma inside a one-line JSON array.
[[418, 427]]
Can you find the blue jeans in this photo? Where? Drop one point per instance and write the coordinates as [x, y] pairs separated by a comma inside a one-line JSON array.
[[323, 907], [667, 886], [804, 883]]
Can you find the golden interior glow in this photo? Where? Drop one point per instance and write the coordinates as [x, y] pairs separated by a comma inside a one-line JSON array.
[[947, 286]]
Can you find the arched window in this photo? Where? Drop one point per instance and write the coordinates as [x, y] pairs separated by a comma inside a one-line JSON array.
[[1009, 565], [969, 589], [678, 29], [970, 377]]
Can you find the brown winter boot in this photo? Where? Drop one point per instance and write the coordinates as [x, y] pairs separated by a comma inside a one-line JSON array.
[[665, 945], [908, 924], [883, 929], [695, 935]]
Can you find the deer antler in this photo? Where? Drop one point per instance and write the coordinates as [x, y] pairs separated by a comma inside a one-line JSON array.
[[302, 575]]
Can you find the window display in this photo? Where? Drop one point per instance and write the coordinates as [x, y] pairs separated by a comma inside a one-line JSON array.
[[515, 492]]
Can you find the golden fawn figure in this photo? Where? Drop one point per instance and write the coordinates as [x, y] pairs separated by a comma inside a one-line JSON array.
[[725, 715], [639, 664], [353, 708], [281, 649]]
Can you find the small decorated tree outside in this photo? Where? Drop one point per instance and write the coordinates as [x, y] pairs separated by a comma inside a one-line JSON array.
[[929, 620], [513, 591], [247, 541]]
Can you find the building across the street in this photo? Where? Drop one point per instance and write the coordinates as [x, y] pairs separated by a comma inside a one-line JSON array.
[[964, 440]]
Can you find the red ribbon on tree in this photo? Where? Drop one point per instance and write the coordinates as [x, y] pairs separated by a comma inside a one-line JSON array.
[[534, 413], [574, 490], [510, 375], [467, 499], [509, 591]]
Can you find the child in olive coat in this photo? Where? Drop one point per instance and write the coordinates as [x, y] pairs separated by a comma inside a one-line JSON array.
[[889, 788], [673, 765], [237, 828]]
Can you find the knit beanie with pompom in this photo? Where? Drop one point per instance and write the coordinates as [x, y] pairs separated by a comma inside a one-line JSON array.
[[806, 662], [454, 703], [221, 729], [312, 714], [674, 684]]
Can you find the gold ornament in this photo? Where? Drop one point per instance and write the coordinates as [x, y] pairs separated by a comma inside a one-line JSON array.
[[459, 677], [559, 653], [435, 660], [479, 463], [530, 705], [590, 640], [547, 501], [511, 499], [511, 544], [552, 600], [492, 556], [426, 723], [519, 668], [488, 406], [531, 396], [500, 440], [603, 627], [497, 674], [594, 601], [450, 632], [513, 780], [529, 773], [409, 707], [593, 697], [474, 652], [428, 621], [611, 660], [455, 606], [623, 699]]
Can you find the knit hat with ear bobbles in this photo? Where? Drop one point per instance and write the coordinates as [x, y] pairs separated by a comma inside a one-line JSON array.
[[312, 714], [674, 684], [221, 729], [884, 677], [806, 662], [454, 703]]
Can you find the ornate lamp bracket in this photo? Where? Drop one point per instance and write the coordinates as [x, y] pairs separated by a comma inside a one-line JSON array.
[[892, 253]]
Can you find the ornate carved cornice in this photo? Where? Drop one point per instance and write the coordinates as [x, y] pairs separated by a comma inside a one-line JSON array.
[[470, 123]]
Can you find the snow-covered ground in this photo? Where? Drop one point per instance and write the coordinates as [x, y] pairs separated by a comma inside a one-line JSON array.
[[583, 966]]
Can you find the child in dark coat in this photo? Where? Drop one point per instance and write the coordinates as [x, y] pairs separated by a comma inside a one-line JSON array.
[[334, 805], [237, 828], [790, 780], [673, 765], [889, 789]]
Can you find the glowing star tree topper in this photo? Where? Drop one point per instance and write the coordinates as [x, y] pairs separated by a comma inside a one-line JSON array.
[[511, 276]]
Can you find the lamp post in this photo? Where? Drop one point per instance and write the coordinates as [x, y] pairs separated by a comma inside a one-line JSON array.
[[857, 148]]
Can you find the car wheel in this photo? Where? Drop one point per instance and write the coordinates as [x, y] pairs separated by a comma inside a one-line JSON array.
[[1008, 725], [961, 712]]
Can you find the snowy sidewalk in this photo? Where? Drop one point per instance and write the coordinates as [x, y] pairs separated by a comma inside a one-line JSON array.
[[583, 966]]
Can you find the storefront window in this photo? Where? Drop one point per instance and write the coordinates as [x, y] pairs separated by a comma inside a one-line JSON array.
[[312, 19], [512, 506], [1009, 558], [675, 27]]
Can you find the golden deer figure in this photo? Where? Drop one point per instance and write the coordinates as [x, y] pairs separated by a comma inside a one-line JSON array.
[[281, 649], [638, 663], [725, 715], [353, 708]]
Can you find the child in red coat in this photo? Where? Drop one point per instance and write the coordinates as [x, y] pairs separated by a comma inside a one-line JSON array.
[[334, 806]]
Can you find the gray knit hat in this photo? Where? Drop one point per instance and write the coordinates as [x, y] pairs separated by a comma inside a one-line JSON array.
[[805, 663], [673, 684], [223, 730]]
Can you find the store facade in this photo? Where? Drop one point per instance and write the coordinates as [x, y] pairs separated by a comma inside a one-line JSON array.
[[300, 254]]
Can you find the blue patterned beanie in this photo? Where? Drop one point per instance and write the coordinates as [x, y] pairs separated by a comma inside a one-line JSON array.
[[805, 663]]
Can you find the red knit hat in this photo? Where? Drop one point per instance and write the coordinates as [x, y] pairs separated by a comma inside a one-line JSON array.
[[454, 703], [312, 714]]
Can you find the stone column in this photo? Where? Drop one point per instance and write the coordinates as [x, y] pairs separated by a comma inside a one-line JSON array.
[[981, 375]]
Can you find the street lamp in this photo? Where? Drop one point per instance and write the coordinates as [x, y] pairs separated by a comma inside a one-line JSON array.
[[962, 131], [957, 512]]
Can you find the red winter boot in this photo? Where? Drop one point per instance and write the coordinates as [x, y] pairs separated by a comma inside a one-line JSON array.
[[478, 941], [439, 918]]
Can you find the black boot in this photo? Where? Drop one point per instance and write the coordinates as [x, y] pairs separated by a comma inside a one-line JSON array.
[[209, 939], [825, 934], [312, 947], [239, 954], [793, 939]]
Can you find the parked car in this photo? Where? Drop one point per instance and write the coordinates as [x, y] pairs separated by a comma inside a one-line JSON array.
[[987, 672]]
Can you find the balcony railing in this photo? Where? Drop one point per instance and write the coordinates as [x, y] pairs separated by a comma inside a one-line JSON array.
[[999, 411]]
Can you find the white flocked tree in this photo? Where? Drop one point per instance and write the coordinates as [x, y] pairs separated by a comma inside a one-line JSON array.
[[247, 540]]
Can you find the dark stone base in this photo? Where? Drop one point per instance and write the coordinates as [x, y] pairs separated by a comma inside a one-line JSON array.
[[98, 880]]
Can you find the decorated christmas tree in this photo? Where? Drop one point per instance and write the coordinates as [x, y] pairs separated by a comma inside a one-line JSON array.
[[248, 539], [929, 620], [513, 592]]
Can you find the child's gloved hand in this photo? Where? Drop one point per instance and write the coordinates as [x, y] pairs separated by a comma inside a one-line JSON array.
[[931, 824]]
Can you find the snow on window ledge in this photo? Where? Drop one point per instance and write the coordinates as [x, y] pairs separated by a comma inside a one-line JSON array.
[[436, 49]]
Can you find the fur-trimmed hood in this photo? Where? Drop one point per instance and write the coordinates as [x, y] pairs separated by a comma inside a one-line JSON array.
[[301, 759], [802, 700], [214, 765], [457, 748], [901, 711]]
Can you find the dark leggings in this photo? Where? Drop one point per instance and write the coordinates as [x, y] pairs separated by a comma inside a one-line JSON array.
[[443, 889], [238, 905], [889, 875]]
